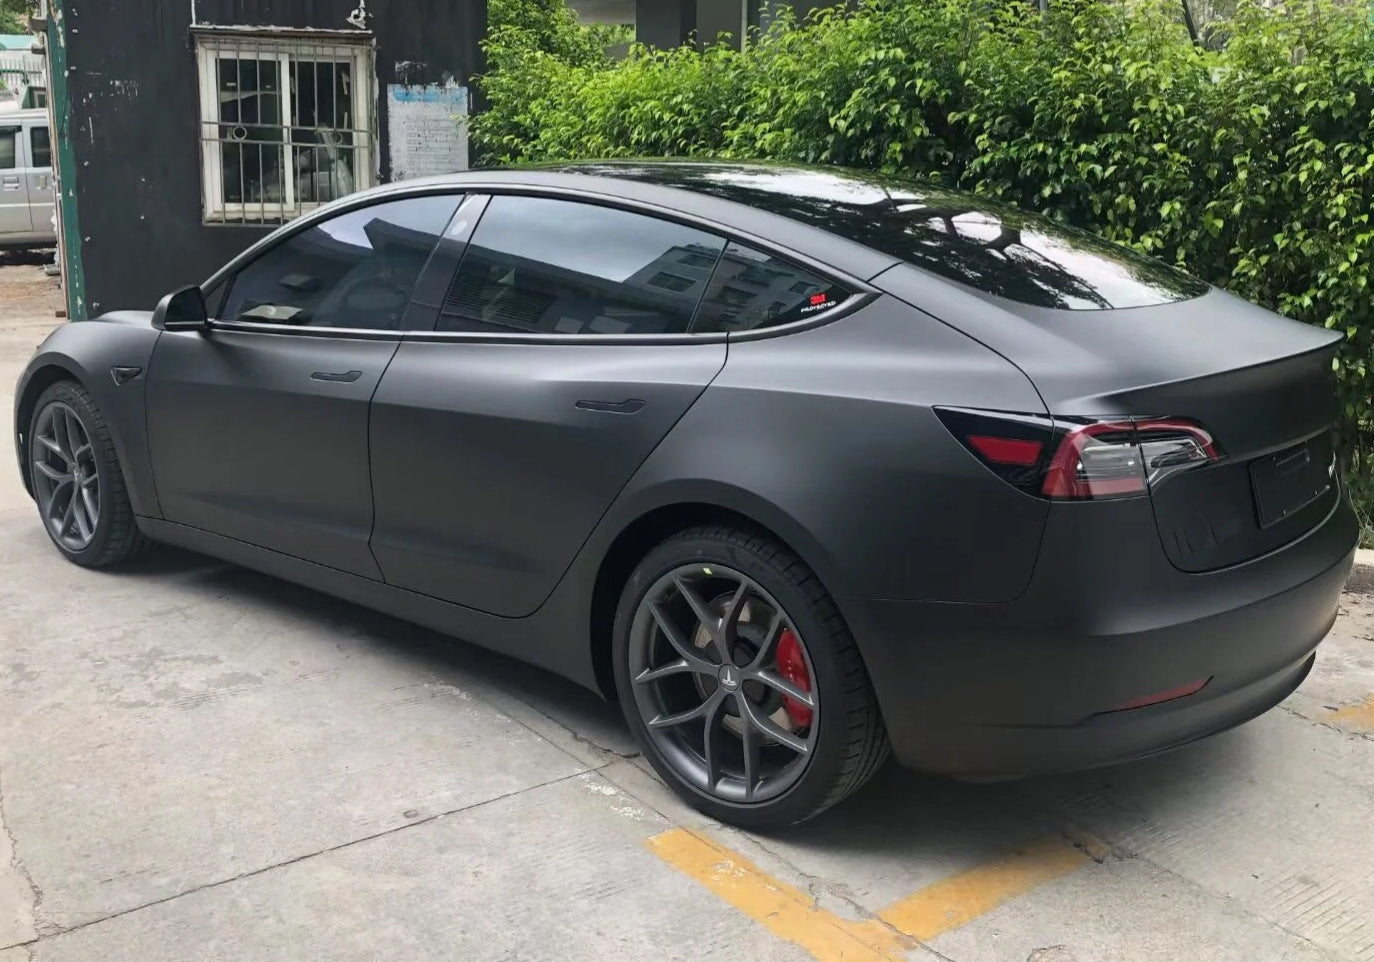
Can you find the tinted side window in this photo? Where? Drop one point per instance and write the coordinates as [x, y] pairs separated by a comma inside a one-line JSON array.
[[356, 270], [42, 146], [560, 267], [7, 154], [751, 290]]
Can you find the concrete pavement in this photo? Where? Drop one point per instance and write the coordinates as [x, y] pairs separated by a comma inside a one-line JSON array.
[[198, 762]]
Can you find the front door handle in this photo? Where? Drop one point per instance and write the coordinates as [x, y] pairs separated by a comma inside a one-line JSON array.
[[631, 406], [347, 377]]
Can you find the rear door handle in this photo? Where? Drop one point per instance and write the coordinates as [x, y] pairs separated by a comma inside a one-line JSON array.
[[630, 406], [347, 377]]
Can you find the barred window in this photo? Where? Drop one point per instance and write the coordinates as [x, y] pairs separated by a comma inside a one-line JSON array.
[[286, 124]]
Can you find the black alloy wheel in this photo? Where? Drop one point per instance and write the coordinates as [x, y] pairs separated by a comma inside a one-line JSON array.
[[76, 480], [65, 478], [741, 681], [723, 683]]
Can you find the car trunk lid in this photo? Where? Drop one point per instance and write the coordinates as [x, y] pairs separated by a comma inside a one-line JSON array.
[[1262, 385]]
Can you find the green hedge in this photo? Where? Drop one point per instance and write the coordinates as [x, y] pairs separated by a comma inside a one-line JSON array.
[[1251, 166]]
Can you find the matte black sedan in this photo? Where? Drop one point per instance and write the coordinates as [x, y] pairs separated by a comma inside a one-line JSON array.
[[796, 464]]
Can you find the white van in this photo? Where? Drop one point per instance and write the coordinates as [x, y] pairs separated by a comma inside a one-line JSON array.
[[26, 181]]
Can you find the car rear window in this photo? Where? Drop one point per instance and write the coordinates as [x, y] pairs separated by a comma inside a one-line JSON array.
[[1026, 258], [992, 247]]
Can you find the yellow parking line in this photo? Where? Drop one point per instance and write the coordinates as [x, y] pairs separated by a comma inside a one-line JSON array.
[[783, 910], [961, 898], [1359, 715], [938, 908]]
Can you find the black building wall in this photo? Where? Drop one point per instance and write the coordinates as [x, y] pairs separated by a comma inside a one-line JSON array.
[[670, 23], [131, 157]]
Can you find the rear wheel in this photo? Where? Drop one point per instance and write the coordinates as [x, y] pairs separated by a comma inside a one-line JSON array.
[[741, 680], [76, 479]]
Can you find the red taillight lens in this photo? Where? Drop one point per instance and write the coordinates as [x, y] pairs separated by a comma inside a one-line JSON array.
[[1080, 459], [1006, 450], [1159, 697], [1096, 461], [1115, 459]]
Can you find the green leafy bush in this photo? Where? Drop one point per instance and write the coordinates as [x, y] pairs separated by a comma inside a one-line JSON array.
[[1252, 166]]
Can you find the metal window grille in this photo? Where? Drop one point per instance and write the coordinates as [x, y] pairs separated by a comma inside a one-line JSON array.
[[286, 124]]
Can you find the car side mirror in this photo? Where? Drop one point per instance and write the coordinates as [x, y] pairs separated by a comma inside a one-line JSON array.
[[182, 310]]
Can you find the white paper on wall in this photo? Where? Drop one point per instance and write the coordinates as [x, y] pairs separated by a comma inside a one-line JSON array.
[[428, 126]]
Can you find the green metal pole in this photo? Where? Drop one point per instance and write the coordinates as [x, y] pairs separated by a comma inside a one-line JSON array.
[[74, 278]]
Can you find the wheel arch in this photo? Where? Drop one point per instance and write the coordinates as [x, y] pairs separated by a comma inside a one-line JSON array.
[[41, 376], [80, 353], [650, 525]]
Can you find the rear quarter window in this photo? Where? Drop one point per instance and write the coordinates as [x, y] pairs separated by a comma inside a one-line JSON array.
[[751, 290]]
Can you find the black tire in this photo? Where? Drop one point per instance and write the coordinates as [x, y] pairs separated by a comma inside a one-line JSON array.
[[850, 742], [115, 537]]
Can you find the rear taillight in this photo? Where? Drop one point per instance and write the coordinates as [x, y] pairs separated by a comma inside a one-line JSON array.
[[1095, 461], [1080, 459]]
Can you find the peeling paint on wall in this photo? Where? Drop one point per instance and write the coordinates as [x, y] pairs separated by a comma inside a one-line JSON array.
[[409, 73]]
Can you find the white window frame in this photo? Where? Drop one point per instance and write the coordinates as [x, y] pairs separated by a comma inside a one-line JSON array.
[[266, 46]]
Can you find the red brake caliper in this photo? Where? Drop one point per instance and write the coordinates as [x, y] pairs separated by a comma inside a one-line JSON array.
[[792, 666]]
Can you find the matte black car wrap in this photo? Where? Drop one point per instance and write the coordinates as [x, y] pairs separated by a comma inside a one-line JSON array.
[[985, 487]]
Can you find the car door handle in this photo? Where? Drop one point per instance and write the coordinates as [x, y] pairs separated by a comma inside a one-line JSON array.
[[12, 183], [629, 406], [347, 377]]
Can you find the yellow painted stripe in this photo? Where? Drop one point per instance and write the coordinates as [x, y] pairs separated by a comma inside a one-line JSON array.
[[961, 898], [1360, 715], [782, 909]]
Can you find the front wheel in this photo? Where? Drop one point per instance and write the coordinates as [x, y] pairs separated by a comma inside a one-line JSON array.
[[741, 681], [76, 480]]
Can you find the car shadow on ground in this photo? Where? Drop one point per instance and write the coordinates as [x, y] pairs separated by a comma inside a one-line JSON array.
[[900, 813]]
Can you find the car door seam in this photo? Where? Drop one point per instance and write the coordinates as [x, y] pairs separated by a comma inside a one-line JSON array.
[[371, 484], [629, 478], [148, 381]]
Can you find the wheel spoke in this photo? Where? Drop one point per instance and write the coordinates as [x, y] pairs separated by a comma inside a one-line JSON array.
[[778, 683], [770, 641], [766, 726], [51, 473], [714, 626], [67, 512], [52, 446], [59, 435], [691, 714], [729, 625], [92, 508], [679, 643], [699, 608], [76, 437], [679, 667], [751, 756], [711, 733], [78, 510]]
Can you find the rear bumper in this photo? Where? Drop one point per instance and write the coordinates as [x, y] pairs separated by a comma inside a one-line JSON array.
[[1033, 685]]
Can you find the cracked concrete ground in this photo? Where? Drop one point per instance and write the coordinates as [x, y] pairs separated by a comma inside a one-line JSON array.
[[200, 762]]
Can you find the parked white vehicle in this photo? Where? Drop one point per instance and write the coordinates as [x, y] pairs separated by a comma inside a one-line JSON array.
[[26, 180]]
